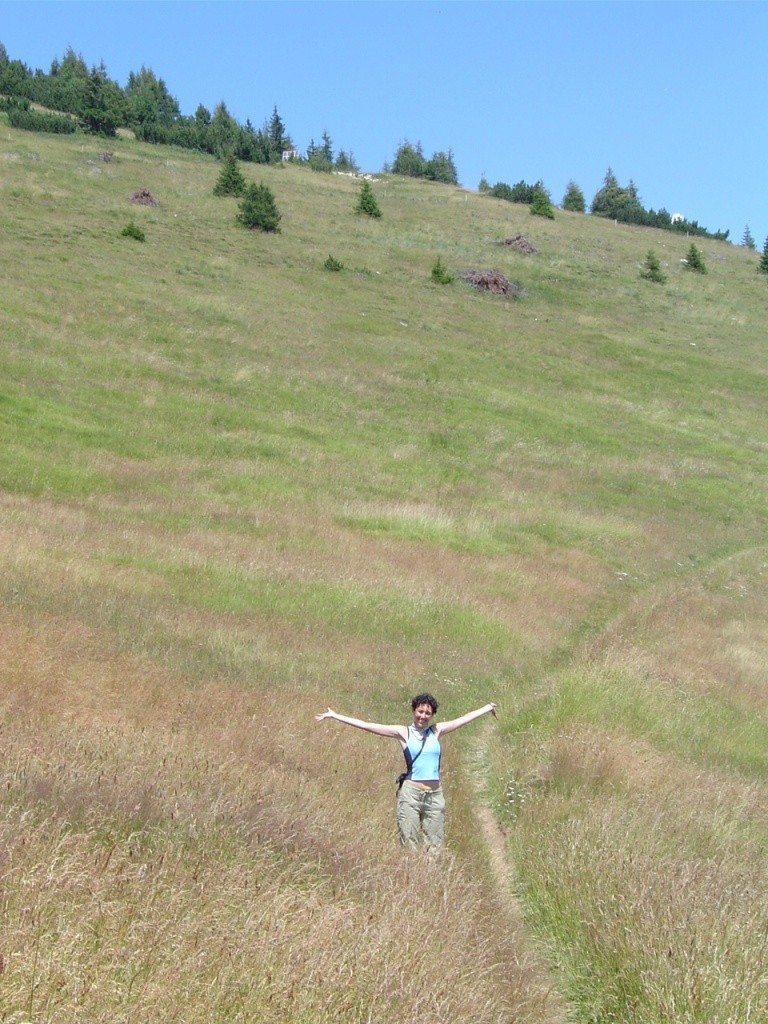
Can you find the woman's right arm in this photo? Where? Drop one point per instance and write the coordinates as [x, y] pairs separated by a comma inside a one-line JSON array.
[[396, 731]]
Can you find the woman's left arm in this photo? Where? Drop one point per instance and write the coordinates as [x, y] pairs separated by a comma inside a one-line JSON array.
[[456, 723]]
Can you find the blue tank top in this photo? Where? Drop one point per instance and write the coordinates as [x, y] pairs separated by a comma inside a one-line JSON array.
[[427, 764]]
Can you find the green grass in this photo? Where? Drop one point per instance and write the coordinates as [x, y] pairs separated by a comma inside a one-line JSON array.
[[251, 488]]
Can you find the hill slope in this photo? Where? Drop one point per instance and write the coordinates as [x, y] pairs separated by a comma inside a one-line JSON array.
[[237, 487]]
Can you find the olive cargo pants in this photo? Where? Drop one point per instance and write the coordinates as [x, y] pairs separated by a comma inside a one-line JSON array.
[[421, 815]]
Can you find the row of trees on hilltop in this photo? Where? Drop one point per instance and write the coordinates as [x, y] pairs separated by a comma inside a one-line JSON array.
[[145, 106], [622, 203], [613, 201], [99, 105], [410, 161]]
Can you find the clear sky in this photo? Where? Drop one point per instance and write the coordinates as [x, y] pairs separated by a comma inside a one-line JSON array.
[[667, 94]]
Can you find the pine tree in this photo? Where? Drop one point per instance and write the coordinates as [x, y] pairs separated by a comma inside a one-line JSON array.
[[101, 114], [440, 273], [366, 201], [652, 269], [747, 239], [409, 160], [573, 199], [258, 209], [346, 163], [617, 203], [442, 168], [275, 133], [230, 181], [327, 148], [320, 158], [541, 205], [695, 260], [763, 264]]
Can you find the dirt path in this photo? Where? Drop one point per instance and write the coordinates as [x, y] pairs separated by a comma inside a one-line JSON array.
[[545, 1002]]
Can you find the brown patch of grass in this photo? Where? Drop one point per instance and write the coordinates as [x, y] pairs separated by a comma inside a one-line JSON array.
[[160, 839]]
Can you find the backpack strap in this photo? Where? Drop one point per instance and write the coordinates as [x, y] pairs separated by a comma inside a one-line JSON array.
[[411, 759]]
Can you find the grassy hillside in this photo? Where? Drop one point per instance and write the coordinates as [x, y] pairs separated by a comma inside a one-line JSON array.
[[236, 488]]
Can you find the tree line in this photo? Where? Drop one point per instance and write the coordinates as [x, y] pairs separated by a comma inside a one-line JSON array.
[[612, 200], [88, 98], [145, 106]]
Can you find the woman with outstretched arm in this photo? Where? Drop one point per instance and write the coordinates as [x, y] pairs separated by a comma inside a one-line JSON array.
[[420, 800]]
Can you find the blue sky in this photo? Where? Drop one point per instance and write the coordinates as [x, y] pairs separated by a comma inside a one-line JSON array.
[[667, 94]]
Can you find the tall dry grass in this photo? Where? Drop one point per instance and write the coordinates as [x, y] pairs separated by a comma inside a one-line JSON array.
[[172, 851], [637, 806]]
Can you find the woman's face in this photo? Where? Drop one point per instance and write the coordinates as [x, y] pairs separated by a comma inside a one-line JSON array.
[[422, 714]]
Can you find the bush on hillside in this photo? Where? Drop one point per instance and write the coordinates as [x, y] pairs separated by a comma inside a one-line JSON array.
[[440, 273], [231, 181], [258, 209], [695, 260], [366, 201], [333, 264], [541, 206], [132, 230], [14, 103], [34, 121], [652, 269]]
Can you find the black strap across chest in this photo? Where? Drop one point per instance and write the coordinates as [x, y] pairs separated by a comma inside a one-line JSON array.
[[411, 759]]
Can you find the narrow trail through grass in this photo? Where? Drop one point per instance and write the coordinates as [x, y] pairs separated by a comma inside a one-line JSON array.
[[552, 1006]]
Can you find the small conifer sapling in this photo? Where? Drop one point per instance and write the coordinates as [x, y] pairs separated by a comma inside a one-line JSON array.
[[652, 269], [230, 181], [440, 273], [258, 209], [366, 201], [695, 260]]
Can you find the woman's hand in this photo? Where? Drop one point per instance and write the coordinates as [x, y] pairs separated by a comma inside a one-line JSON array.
[[325, 714]]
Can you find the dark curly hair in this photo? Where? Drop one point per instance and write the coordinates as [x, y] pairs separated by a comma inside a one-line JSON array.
[[425, 698]]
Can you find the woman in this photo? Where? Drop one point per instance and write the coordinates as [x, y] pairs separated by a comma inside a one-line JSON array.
[[420, 801]]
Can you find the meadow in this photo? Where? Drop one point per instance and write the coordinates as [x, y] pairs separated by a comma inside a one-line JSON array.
[[236, 488]]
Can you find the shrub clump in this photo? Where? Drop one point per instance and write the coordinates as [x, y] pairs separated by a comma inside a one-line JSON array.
[[541, 204], [333, 264], [652, 269], [258, 209], [132, 230], [695, 260], [440, 273], [35, 121]]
